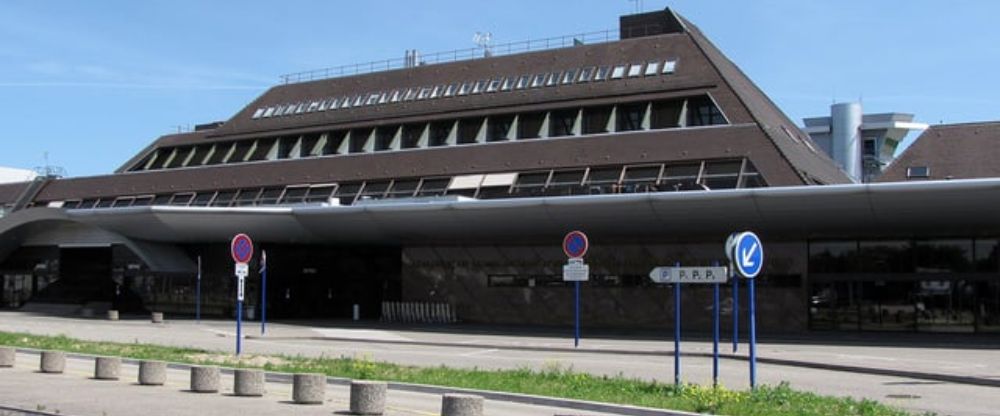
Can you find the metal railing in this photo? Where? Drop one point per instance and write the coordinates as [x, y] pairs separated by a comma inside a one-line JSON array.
[[565, 41]]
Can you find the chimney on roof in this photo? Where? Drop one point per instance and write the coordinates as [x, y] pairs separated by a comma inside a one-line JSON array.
[[650, 24], [411, 59]]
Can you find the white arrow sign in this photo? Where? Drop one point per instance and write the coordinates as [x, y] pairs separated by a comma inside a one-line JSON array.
[[746, 257], [688, 275]]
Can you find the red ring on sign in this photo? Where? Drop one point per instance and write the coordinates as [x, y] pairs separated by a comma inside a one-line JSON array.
[[241, 248], [575, 244]]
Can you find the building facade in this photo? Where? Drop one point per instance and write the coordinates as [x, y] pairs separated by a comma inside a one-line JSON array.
[[451, 181]]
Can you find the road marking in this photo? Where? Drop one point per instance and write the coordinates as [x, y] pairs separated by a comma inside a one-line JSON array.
[[474, 353]]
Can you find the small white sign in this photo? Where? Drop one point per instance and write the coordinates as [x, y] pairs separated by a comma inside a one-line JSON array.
[[242, 270], [576, 270], [688, 275]]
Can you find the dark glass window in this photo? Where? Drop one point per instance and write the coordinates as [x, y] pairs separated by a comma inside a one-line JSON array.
[[833, 256], [384, 136], [529, 183], [141, 201], [666, 114], [703, 112], [498, 127], [320, 193], [221, 150], [308, 145], [263, 148], [440, 130], [561, 123], [943, 256], [333, 141], [223, 198], [374, 189], [246, 198], [987, 255], [285, 145], [468, 129], [240, 152], [683, 177], [347, 192], [433, 187], [630, 116], [201, 199], [886, 257], [529, 125], [403, 188], [181, 199], [595, 119], [359, 138], [604, 176], [270, 196], [179, 158], [295, 195], [411, 135], [199, 155], [160, 158]]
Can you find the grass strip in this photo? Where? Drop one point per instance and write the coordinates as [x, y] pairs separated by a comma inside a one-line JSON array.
[[553, 380]]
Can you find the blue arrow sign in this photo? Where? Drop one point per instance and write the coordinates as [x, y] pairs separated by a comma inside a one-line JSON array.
[[748, 255]]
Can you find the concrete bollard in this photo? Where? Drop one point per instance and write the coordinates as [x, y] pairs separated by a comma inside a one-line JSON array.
[[248, 383], [308, 388], [7, 355], [461, 405], [107, 368], [53, 362], [367, 397], [157, 317], [152, 373], [205, 379], [113, 315]]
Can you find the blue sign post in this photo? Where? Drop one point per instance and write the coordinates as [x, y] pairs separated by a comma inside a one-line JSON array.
[[575, 245], [715, 333], [263, 292], [748, 255], [197, 295], [241, 249], [677, 332]]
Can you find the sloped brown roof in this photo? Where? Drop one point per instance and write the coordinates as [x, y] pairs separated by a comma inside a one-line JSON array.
[[796, 146], [951, 151]]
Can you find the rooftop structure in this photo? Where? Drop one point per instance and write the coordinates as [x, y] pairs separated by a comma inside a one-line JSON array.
[[949, 151]]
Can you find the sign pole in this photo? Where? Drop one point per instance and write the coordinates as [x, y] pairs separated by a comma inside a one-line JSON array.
[[197, 295], [715, 334], [677, 332], [753, 333], [736, 309], [263, 292], [241, 249], [576, 307]]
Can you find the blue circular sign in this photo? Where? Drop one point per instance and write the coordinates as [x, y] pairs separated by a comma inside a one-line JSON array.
[[575, 244], [241, 248], [748, 254]]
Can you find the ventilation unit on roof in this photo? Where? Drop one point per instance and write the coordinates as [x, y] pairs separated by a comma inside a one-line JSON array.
[[650, 24], [209, 126]]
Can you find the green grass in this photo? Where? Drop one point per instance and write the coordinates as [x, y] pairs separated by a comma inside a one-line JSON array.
[[553, 380]]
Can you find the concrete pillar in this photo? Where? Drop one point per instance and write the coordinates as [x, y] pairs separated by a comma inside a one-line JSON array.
[[7, 355], [367, 397], [53, 362], [248, 382], [205, 379], [157, 317], [107, 368], [461, 405], [308, 388], [112, 314], [152, 373]]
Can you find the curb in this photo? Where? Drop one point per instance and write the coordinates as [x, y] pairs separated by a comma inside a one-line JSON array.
[[286, 378]]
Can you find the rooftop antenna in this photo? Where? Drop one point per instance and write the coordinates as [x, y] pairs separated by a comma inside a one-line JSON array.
[[638, 5], [48, 171], [484, 40]]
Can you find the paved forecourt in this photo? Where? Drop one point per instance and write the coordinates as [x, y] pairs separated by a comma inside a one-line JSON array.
[[646, 359]]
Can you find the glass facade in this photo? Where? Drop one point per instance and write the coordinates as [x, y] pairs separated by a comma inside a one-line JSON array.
[[926, 285]]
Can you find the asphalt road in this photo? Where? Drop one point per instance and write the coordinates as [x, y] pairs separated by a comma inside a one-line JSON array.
[[629, 357]]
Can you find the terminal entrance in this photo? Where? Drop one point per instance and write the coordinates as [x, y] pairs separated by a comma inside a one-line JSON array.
[[308, 282]]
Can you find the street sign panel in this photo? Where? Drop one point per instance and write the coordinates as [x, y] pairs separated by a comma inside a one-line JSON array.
[[576, 270], [242, 270], [748, 255], [688, 275], [575, 244], [241, 285], [241, 248]]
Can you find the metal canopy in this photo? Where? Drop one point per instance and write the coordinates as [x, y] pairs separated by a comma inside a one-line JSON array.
[[944, 208]]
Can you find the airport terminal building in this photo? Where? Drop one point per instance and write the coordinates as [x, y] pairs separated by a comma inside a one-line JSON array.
[[450, 179]]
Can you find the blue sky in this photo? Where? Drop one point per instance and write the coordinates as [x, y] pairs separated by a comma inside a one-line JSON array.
[[92, 83]]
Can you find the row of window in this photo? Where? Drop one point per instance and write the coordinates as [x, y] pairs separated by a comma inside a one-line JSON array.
[[694, 111], [458, 89], [905, 256], [698, 175]]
